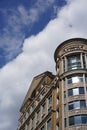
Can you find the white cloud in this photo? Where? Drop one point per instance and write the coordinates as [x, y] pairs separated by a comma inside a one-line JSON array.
[[37, 56]]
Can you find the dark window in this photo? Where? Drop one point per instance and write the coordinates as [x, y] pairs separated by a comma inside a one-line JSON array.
[[84, 119], [42, 128], [84, 63], [71, 120], [49, 124], [81, 90], [82, 103], [71, 106], [70, 92], [64, 94], [65, 123]]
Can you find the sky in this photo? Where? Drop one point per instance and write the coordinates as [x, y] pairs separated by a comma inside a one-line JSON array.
[[30, 31]]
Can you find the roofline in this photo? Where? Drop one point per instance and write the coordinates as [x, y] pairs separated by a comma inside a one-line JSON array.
[[65, 42], [48, 73]]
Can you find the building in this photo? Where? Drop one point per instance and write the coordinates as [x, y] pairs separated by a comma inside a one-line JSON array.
[[59, 102]]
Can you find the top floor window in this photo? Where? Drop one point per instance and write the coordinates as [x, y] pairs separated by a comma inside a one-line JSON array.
[[73, 62]]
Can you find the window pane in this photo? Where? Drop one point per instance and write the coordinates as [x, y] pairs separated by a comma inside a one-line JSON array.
[[65, 123], [75, 91], [71, 106], [49, 124], [42, 128], [81, 90], [71, 120], [84, 119], [77, 105], [74, 62], [70, 92], [82, 103], [77, 119], [64, 94], [64, 107], [50, 100], [75, 79]]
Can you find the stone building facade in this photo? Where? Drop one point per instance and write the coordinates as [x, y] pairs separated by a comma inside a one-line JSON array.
[[59, 102]]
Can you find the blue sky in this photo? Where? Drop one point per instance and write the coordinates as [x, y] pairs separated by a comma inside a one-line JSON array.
[[30, 31], [20, 19]]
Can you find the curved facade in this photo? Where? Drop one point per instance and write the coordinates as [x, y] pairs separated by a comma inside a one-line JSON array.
[[71, 67]]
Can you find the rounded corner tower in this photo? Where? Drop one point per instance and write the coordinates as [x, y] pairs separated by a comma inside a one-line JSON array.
[[71, 66]]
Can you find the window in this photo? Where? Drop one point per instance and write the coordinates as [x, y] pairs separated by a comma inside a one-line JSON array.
[[76, 91], [77, 104], [50, 100], [75, 79], [49, 104], [64, 82], [77, 119], [71, 120], [42, 128], [64, 107], [84, 61], [32, 121], [49, 124], [37, 116], [64, 94], [43, 110], [65, 122], [73, 62]]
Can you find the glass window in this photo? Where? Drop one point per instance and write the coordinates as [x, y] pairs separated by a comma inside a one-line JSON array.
[[49, 124], [42, 128], [70, 92], [43, 110], [64, 94], [32, 121], [82, 103], [81, 90], [78, 119], [71, 106], [50, 100], [84, 62], [84, 119], [75, 79], [71, 120], [38, 114], [74, 62], [44, 107], [76, 91], [86, 78], [77, 104], [64, 107], [65, 123]]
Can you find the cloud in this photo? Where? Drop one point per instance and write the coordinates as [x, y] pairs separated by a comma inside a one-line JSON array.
[[17, 22], [37, 57]]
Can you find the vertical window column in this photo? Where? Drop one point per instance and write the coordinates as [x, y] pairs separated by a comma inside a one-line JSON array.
[[65, 63]]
